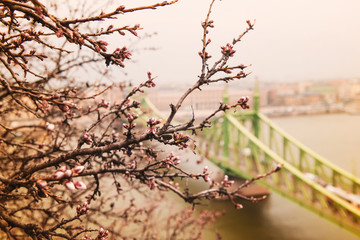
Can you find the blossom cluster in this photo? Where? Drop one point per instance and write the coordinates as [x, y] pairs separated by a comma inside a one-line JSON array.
[[152, 122], [228, 50], [207, 175], [102, 235], [66, 175], [243, 102], [181, 140], [226, 182], [82, 209], [170, 160]]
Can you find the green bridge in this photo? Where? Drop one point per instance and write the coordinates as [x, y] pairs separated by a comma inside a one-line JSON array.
[[248, 144]]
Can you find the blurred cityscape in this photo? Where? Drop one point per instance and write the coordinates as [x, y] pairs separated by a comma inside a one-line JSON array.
[[276, 99]]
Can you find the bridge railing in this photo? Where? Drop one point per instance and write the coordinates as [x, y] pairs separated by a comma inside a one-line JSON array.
[[306, 160], [233, 147]]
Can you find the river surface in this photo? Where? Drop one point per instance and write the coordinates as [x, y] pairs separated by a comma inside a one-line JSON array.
[[334, 136]]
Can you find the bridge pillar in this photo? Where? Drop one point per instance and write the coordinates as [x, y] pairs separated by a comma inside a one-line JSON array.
[[256, 106], [225, 127]]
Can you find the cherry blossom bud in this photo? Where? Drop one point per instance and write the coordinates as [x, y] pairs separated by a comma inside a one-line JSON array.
[[78, 169], [62, 169], [68, 173], [41, 183], [249, 23], [50, 126], [207, 178], [133, 32], [238, 206], [69, 185], [136, 103], [64, 108], [79, 185], [120, 8], [205, 169], [97, 48], [59, 175], [110, 27]]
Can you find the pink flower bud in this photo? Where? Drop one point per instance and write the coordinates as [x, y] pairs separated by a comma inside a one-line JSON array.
[[59, 175], [248, 22], [62, 169], [69, 185], [205, 169], [41, 183], [207, 178], [50, 126], [120, 8], [79, 185], [78, 169], [68, 173], [238, 206]]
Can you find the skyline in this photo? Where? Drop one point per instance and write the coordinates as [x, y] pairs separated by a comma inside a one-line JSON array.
[[292, 41]]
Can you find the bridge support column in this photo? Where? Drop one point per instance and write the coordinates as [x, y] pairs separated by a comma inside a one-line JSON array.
[[225, 127], [256, 106]]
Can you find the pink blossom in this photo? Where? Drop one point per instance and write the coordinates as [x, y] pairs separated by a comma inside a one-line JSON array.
[[151, 130], [82, 209], [62, 169], [50, 126], [68, 173], [79, 185], [207, 178], [120, 8], [59, 175], [69, 185], [228, 50], [87, 138], [78, 169], [41, 183], [238, 206]]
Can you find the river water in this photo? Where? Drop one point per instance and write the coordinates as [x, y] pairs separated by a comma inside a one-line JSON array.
[[334, 136]]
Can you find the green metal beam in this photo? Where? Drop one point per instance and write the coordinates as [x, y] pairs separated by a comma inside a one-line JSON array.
[[308, 150], [291, 180]]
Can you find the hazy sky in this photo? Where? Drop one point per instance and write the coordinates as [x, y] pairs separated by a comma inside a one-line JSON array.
[[292, 40]]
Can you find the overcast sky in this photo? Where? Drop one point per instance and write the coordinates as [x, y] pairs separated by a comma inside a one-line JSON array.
[[292, 40]]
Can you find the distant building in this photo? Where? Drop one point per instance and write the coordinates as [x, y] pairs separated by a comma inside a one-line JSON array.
[[207, 99]]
